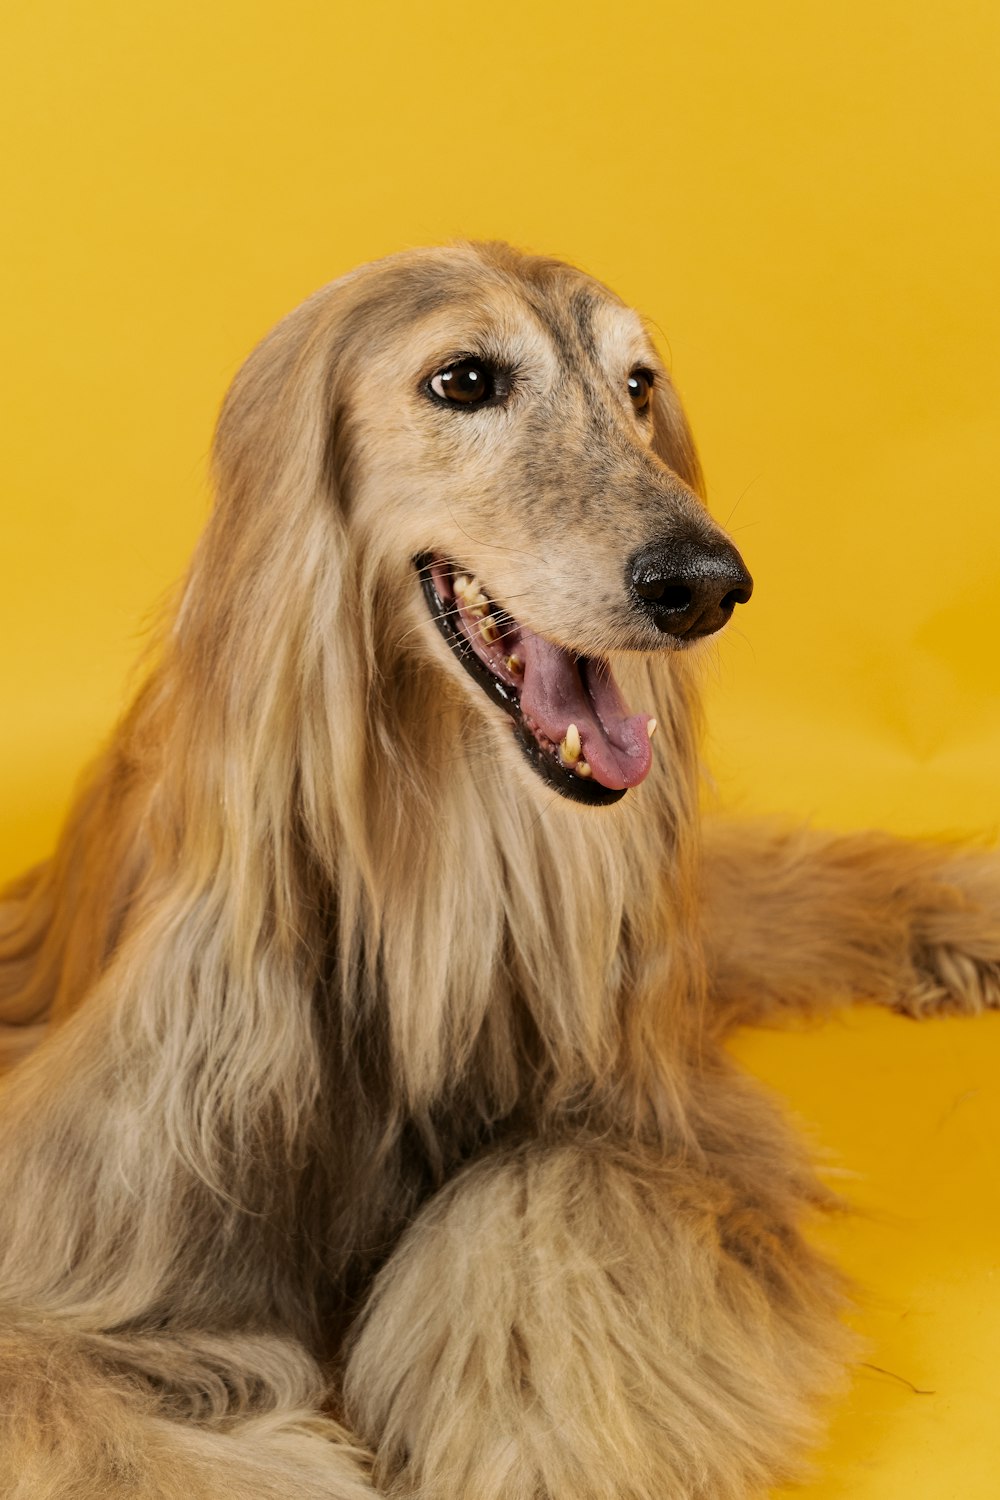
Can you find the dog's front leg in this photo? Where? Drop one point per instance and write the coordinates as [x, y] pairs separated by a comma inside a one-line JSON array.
[[579, 1322], [802, 921]]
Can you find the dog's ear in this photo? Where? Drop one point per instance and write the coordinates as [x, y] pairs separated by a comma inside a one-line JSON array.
[[262, 630], [272, 442], [672, 440]]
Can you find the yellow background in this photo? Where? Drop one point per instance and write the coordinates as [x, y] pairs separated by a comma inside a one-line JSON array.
[[804, 197]]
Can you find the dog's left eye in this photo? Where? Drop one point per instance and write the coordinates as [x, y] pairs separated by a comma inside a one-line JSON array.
[[640, 387], [467, 383]]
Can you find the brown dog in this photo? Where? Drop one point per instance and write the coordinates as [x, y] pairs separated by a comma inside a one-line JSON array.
[[369, 1126]]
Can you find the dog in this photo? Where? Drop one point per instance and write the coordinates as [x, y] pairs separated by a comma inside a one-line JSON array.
[[366, 1125]]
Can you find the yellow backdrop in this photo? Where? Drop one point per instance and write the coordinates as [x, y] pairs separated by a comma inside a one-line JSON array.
[[805, 199]]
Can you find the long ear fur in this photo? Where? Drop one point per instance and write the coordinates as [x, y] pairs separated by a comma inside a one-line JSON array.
[[200, 1029]]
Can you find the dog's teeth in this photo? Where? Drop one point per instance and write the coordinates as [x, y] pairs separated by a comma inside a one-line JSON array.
[[488, 631], [474, 599], [582, 769], [514, 664], [570, 747], [651, 727], [467, 589]]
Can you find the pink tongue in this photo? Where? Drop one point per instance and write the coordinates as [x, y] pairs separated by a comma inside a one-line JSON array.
[[560, 690]]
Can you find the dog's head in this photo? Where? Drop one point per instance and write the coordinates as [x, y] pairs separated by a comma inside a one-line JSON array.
[[504, 457]]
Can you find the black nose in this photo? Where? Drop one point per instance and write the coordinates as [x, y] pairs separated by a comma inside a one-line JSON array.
[[688, 586]]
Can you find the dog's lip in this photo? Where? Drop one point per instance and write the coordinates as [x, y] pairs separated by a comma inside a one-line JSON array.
[[542, 687]]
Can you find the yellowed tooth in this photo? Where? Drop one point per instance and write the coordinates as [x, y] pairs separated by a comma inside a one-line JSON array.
[[582, 769], [488, 630], [514, 664], [651, 727], [570, 747], [467, 589]]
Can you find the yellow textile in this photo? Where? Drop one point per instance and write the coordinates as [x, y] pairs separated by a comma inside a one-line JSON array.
[[805, 198]]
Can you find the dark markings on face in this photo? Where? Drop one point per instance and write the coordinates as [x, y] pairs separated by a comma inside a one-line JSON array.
[[582, 312], [572, 330], [571, 327]]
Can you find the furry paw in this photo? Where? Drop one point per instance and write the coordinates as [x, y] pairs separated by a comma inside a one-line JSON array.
[[952, 982]]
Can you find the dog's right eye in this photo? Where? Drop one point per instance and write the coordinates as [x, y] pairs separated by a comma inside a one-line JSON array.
[[467, 383]]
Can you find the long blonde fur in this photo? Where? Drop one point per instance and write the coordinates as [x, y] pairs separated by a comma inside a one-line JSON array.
[[368, 1124]]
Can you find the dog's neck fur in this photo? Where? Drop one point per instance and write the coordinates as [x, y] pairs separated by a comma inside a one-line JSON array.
[[557, 946]]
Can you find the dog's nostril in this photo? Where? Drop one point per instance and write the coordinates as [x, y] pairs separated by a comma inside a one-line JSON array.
[[736, 596], [663, 592], [674, 596]]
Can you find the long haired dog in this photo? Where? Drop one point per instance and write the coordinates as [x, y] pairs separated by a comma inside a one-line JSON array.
[[367, 1126]]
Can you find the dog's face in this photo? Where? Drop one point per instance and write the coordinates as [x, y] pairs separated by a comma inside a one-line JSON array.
[[517, 434]]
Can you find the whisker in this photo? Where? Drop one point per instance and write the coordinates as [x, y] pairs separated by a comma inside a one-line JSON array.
[[452, 610], [500, 546], [744, 491]]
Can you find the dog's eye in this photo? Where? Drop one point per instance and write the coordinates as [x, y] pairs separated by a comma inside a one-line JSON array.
[[640, 386], [467, 383]]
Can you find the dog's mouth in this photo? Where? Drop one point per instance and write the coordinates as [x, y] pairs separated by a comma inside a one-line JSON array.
[[569, 715]]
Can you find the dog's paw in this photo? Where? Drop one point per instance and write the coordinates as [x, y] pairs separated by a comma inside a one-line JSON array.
[[951, 982]]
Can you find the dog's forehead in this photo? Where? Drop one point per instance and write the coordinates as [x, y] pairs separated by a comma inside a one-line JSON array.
[[565, 316], [587, 322], [617, 331]]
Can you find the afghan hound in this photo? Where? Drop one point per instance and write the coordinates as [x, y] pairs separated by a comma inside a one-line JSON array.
[[366, 1126]]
